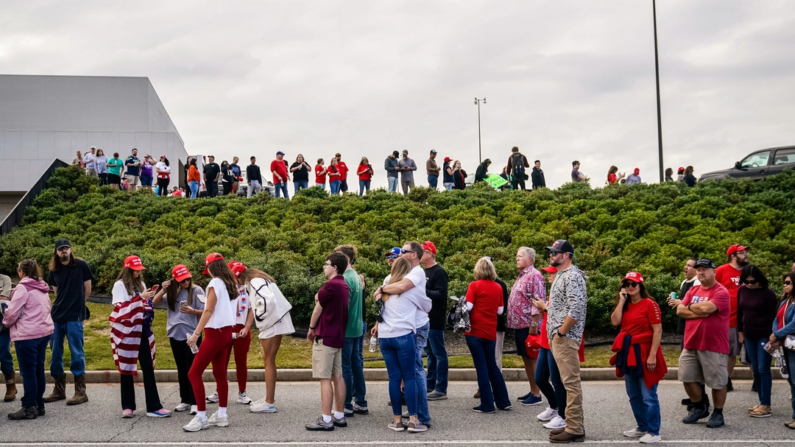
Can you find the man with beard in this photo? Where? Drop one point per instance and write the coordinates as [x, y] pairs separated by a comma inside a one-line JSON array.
[[70, 278], [728, 275]]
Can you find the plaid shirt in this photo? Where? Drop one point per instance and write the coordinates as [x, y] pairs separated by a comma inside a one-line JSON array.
[[521, 310]]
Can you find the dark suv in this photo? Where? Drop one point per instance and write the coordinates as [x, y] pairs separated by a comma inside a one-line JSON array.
[[758, 165]]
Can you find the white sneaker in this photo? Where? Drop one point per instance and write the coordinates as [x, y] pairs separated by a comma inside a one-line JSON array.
[[649, 438], [218, 421], [242, 398], [261, 406], [634, 433], [182, 407], [213, 399], [194, 410], [547, 415], [196, 424], [555, 423]]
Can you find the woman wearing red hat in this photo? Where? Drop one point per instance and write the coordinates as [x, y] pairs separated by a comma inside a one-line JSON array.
[[217, 322], [639, 358], [182, 300], [131, 328]]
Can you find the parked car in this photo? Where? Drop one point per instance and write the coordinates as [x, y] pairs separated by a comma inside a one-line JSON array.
[[758, 165]]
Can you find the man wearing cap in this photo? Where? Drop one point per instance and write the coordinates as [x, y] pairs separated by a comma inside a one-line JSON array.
[[523, 317], [343, 168], [634, 178], [211, 173], [406, 166], [254, 178], [568, 305], [70, 278], [280, 175], [728, 275], [433, 170], [90, 159], [706, 307], [133, 169], [517, 168], [237, 172], [436, 290], [391, 166], [447, 174], [390, 256]]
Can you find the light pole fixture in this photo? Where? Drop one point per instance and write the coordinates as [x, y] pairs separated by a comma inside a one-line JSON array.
[[657, 77], [480, 146]]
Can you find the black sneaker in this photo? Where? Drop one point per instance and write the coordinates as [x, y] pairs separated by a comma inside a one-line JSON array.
[[40, 411], [357, 409], [716, 420], [348, 413], [480, 410], [341, 422], [695, 414]]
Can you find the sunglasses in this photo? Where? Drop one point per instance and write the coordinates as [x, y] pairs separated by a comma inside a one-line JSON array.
[[752, 282], [630, 284], [553, 253], [787, 283], [392, 257]]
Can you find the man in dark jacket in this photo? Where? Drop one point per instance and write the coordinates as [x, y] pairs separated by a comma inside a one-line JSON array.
[[391, 165], [482, 171], [517, 168], [538, 176], [436, 290]]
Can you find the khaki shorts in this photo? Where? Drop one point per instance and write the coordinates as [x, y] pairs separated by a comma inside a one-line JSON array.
[[132, 179], [325, 361], [734, 343], [705, 367]]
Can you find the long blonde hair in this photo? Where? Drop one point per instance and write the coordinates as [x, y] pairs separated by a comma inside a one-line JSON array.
[[126, 276], [400, 268]]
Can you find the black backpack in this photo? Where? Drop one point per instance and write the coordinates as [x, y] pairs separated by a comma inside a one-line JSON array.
[[517, 164]]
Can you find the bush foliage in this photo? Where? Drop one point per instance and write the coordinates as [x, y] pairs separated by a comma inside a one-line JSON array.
[[649, 228]]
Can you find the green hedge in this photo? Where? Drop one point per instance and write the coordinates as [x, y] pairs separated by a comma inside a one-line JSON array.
[[649, 228]]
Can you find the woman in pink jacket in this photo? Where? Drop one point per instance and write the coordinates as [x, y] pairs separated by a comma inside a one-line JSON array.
[[28, 318]]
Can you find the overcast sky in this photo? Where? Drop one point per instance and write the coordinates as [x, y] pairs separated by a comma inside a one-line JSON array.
[[563, 79]]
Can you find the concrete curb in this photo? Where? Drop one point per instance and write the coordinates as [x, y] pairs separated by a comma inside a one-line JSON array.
[[380, 374]]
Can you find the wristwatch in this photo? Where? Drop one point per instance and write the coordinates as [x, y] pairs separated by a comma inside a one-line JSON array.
[[560, 335]]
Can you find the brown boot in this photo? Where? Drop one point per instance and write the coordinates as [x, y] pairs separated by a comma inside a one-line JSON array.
[[11, 388], [59, 392], [566, 437], [80, 391]]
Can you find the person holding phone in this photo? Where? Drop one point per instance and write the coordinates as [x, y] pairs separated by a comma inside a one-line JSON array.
[[131, 300], [183, 301]]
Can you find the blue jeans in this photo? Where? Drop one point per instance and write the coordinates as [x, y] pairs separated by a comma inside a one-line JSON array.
[[6, 360], [433, 181], [335, 187], [420, 340], [645, 404], [73, 331], [281, 186], [449, 186], [146, 181], [364, 184], [300, 184], [30, 354], [194, 189], [400, 365], [353, 372], [212, 189], [789, 358], [391, 184], [547, 369], [490, 381], [760, 364], [437, 361]]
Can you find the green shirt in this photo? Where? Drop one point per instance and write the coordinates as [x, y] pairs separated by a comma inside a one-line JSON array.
[[115, 166], [354, 328]]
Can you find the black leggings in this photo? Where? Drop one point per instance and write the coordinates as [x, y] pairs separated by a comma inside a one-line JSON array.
[[183, 357], [162, 186], [150, 386]]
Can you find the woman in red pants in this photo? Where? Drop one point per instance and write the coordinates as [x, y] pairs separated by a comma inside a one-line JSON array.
[[217, 321]]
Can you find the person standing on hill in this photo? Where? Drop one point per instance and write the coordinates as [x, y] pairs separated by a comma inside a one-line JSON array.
[[280, 175], [392, 169], [435, 289], [669, 175], [334, 181], [70, 279], [254, 178], [634, 178], [407, 167], [482, 171], [343, 168], [90, 159], [300, 170], [459, 176], [432, 168], [320, 174], [115, 165], [689, 178], [447, 174], [517, 169], [728, 275], [538, 176], [133, 169], [613, 176], [576, 175], [365, 173], [236, 171], [194, 179]]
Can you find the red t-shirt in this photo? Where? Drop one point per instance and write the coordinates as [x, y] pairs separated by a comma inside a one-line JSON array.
[[367, 176], [320, 178], [730, 278], [280, 168], [343, 168], [611, 178], [486, 297], [710, 333], [639, 317], [333, 173]]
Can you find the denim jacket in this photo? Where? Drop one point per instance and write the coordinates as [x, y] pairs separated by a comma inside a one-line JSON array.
[[789, 328]]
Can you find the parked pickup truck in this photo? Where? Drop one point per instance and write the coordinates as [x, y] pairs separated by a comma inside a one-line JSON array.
[[758, 165]]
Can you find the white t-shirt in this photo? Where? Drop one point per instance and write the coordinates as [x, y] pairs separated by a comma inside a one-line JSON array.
[[399, 317], [417, 296], [90, 160], [225, 309], [120, 294]]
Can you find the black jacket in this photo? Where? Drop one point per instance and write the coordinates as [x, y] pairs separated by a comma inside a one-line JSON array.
[[253, 173], [481, 173], [436, 290], [538, 178], [459, 178]]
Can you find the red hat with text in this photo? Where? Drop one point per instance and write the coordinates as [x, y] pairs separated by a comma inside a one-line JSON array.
[[735, 248], [134, 263], [633, 276], [210, 258], [180, 273], [428, 245], [237, 268]]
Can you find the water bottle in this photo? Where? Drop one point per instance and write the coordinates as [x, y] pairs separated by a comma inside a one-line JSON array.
[[373, 343], [195, 348]]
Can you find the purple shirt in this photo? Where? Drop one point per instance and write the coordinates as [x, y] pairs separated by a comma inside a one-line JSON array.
[[333, 297], [521, 310], [146, 170]]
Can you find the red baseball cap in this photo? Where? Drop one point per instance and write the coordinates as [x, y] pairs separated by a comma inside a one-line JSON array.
[[428, 245], [232, 264], [735, 248], [448, 159], [238, 268], [633, 276], [133, 262], [210, 258], [550, 269], [180, 273], [637, 171]]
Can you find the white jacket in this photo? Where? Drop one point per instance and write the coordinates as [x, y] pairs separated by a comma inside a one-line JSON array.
[[267, 302]]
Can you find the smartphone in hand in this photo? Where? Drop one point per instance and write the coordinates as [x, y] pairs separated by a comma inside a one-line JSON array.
[[155, 288]]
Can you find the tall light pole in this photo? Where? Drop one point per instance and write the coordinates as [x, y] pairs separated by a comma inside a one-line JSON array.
[[480, 146], [657, 76]]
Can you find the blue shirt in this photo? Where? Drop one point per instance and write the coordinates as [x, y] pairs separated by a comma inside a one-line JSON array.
[[132, 170]]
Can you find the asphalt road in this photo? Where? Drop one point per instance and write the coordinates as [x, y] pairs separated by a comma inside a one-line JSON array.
[[99, 422]]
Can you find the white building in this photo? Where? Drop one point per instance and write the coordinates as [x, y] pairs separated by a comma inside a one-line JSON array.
[[47, 117]]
